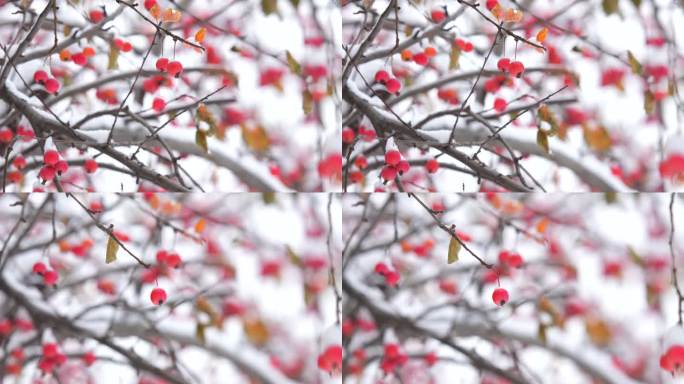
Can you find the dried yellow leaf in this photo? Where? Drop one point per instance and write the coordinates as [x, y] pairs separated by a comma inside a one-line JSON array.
[[636, 66], [543, 140], [256, 331], [454, 248], [294, 65], [112, 249], [597, 138], [201, 140], [256, 138]]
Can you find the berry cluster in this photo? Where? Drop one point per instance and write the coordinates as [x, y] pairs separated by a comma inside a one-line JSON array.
[[54, 165], [52, 358], [394, 165], [173, 68], [391, 277], [49, 276], [393, 358], [391, 84], [17, 357], [50, 83], [361, 163], [421, 58], [514, 68]]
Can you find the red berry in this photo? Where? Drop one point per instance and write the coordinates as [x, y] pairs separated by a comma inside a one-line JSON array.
[[673, 359], [331, 359], [448, 286], [13, 368], [356, 177], [149, 4], [40, 76], [173, 260], [392, 85], [158, 296], [174, 68], [162, 64], [420, 58], [403, 167], [388, 173], [47, 173], [61, 167], [14, 177], [51, 85], [50, 350], [516, 69], [90, 166], [151, 85], [51, 157], [158, 104], [381, 76], [672, 166], [503, 64], [162, 255], [500, 104], [347, 135], [123, 45], [392, 157], [39, 268], [106, 287], [361, 162], [491, 4], [432, 165], [381, 268], [6, 135], [392, 278], [96, 16], [46, 365], [466, 46], [515, 260], [79, 58], [19, 162], [89, 358], [504, 256], [18, 354], [60, 358], [494, 84], [500, 296], [50, 277], [5, 327], [438, 15]]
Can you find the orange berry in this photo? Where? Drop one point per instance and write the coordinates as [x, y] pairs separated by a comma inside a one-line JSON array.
[[65, 55], [201, 33], [430, 51], [88, 52], [541, 35], [406, 55]]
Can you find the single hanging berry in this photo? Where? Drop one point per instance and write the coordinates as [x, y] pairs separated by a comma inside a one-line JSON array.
[[158, 296], [500, 296]]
